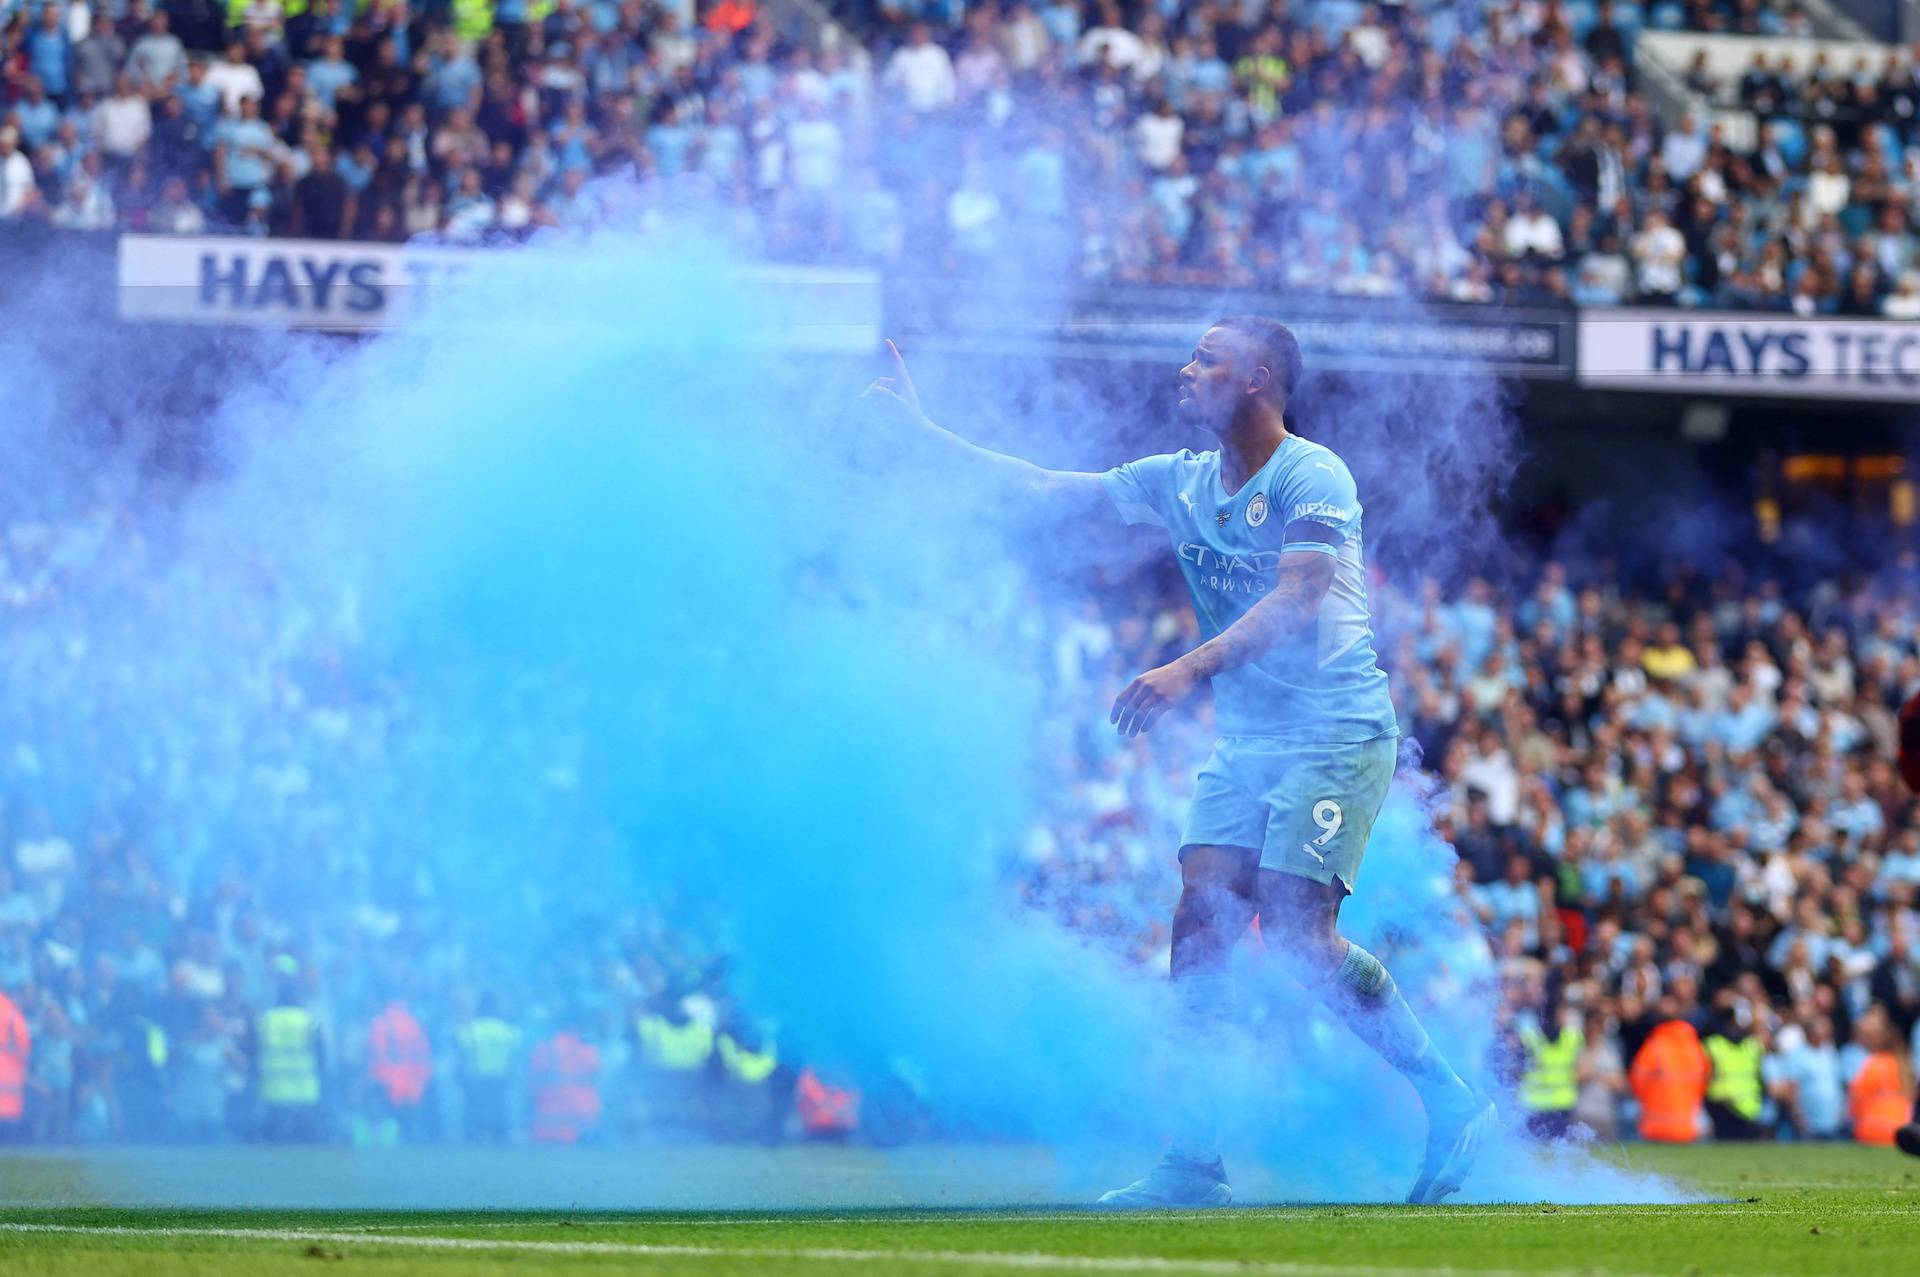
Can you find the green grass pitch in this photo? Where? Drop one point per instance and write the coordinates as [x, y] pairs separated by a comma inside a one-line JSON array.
[[1790, 1210]]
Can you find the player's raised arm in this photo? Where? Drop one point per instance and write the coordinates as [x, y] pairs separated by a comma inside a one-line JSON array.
[[1293, 605], [1060, 494]]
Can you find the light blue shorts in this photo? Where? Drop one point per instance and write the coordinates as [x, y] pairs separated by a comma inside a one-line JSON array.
[[1307, 808]]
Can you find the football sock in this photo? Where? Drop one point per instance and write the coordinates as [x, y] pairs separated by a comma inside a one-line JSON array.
[[1206, 1004], [1364, 992]]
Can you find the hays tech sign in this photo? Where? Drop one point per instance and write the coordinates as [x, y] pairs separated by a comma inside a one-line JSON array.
[[279, 283], [342, 286], [1770, 355]]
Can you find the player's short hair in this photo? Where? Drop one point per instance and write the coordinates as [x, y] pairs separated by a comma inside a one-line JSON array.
[[1274, 344]]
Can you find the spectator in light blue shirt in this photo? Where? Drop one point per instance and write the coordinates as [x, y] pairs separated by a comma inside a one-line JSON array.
[[1744, 723], [37, 115], [1551, 601], [1041, 176], [1470, 154], [1598, 876], [1590, 804], [1769, 828], [1210, 72], [1808, 1082], [1473, 622], [1514, 898], [329, 73], [1735, 806], [1655, 710], [248, 148], [1274, 163], [1810, 930], [50, 54], [452, 75], [1856, 817], [1901, 863], [202, 100], [1062, 21]]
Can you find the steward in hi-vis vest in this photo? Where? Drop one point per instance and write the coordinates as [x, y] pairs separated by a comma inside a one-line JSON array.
[[1550, 1088], [289, 1066], [1736, 1095]]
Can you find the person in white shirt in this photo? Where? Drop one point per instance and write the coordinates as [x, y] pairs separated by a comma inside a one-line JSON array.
[[123, 123], [1904, 301], [921, 72], [1157, 136], [17, 185], [1684, 149], [88, 206], [1531, 231], [1828, 187], [1023, 37], [807, 83], [672, 45], [1369, 39], [1658, 251], [233, 78], [1109, 41], [1154, 53], [176, 215]]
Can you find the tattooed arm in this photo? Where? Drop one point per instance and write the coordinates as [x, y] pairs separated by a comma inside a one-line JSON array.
[[1291, 606]]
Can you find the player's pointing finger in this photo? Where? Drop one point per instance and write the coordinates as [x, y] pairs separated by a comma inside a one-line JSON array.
[[899, 364]]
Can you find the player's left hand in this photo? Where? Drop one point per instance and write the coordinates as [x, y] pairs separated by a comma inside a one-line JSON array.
[[1152, 694]]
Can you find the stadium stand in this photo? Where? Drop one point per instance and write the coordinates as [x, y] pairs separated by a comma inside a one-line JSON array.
[[1671, 792], [1507, 156]]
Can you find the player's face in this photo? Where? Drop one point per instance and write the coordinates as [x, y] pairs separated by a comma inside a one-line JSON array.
[[1214, 380]]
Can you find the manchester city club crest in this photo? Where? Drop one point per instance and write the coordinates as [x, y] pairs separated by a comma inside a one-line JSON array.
[[1257, 510]]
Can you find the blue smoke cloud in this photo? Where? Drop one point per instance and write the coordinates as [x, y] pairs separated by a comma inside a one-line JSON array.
[[674, 621]]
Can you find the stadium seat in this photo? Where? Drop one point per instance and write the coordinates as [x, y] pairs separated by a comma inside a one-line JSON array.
[[1668, 16]]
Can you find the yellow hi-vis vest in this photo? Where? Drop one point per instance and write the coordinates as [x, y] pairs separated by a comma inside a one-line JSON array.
[[289, 1065], [237, 11], [1550, 1084], [488, 1044], [472, 19], [742, 1065], [1736, 1074], [675, 1046]]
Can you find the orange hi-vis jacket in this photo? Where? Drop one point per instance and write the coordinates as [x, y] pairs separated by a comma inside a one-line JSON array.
[[1669, 1077], [398, 1055], [731, 16], [566, 1089], [825, 1109], [15, 1045], [1878, 1100]]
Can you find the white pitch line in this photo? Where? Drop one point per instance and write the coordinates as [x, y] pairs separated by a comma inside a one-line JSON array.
[[1297, 1213], [827, 1254]]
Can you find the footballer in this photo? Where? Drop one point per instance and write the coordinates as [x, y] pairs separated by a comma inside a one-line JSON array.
[[1266, 528]]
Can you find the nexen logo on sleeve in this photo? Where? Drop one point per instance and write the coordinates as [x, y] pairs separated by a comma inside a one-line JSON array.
[[1321, 510]]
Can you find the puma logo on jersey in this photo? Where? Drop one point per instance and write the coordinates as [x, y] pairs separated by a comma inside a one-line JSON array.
[[1324, 466], [1187, 500]]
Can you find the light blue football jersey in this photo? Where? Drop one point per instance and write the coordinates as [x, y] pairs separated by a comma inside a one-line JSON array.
[[1322, 684]]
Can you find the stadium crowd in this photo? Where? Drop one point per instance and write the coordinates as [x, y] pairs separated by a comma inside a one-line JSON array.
[[1494, 152], [1676, 820]]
